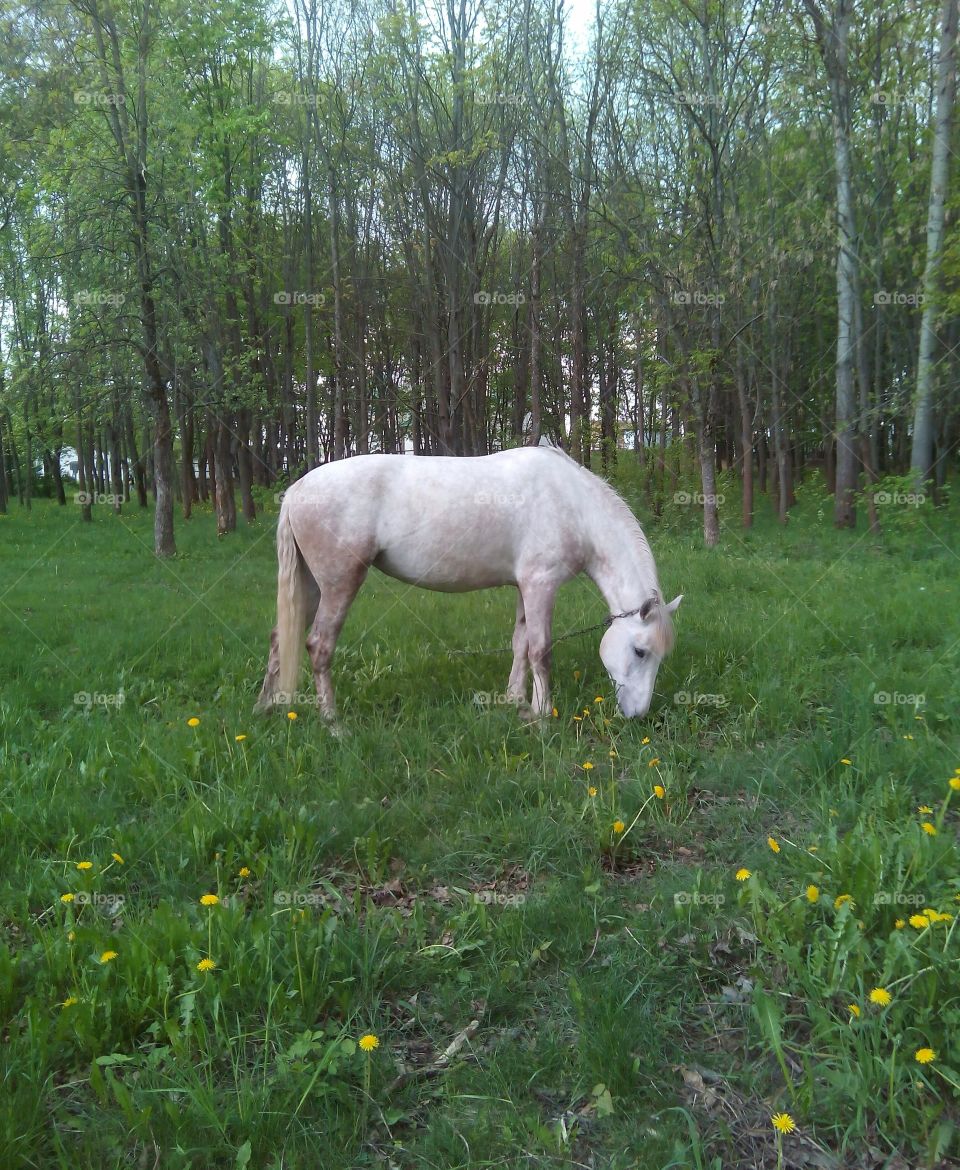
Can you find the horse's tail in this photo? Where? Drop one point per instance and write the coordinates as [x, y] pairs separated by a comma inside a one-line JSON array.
[[291, 610]]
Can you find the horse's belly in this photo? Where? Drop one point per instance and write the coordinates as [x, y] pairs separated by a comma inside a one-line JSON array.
[[448, 569]]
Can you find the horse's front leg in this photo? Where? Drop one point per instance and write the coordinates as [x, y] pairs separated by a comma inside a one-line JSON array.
[[538, 599], [336, 596], [517, 684]]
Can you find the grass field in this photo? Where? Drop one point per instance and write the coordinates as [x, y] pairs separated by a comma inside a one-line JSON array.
[[442, 875]]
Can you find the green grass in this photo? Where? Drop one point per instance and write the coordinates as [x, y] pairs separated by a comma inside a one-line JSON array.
[[442, 863]]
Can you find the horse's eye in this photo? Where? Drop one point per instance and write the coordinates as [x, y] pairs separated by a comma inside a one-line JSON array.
[[639, 651]]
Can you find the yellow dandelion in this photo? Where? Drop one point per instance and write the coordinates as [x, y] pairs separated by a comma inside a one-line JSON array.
[[67, 897], [659, 791], [618, 826], [813, 894], [117, 858], [908, 737], [783, 1123], [924, 1055], [774, 844], [899, 924], [930, 830], [955, 783], [846, 761], [576, 674], [813, 849], [239, 738], [291, 714], [193, 721], [880, 995], [587, 766], [206, 965], [70, 1001], [742, 874], [653, 763], [84, 865], [556, 713], [598, 699], [243, 871], [924, 808], [586, 710], [919, 921], [645, 740], [108, 956], [843, 900], [591, 791], [71, 936], [578, 718], [612, 753], [854, 1010], [369, 1042], [209, 900]]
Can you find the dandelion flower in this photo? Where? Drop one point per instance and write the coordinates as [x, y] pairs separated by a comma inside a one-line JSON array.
[[783, 1123], [206, 965], [854, 1010], [598, 699], [659, 791], [239, 738], [813, 894], [955, 783], [209, 900], [846, 761], [924, 1055], [70, 1001], [899, 924], [71, 936], [586, 710], [908, 737], [612, 753], [919, 921], [578, 718], [243, 871], [193, 721], [843, 900], [645, 740], [774, 844], [653, 763], [924, 808], [618, 826], [591, 791], [67, 897], [84, 865], [930, 830], [742, 874], [556, 713], [576, 674], [880, 996], [587, 766], [117, 858], [291, 715], [369, 1042], [108, 956]]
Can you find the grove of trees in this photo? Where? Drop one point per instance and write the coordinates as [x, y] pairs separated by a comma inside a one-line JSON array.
[[241, 240]]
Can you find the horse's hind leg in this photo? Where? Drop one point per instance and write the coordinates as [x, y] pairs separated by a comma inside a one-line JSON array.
[[336, 597], [517, 685]]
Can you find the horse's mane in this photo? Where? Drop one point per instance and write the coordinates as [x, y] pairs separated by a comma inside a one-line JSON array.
[[619, 506]]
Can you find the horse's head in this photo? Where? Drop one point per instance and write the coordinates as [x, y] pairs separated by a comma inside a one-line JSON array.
[[632, 650]]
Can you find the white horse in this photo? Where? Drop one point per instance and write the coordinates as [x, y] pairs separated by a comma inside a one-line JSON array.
[[529, 517]]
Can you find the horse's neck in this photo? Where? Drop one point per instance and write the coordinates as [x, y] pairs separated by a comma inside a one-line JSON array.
[[622, 566]]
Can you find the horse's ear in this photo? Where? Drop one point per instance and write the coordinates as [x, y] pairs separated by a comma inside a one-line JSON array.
[[648, 607], [675, 604]]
